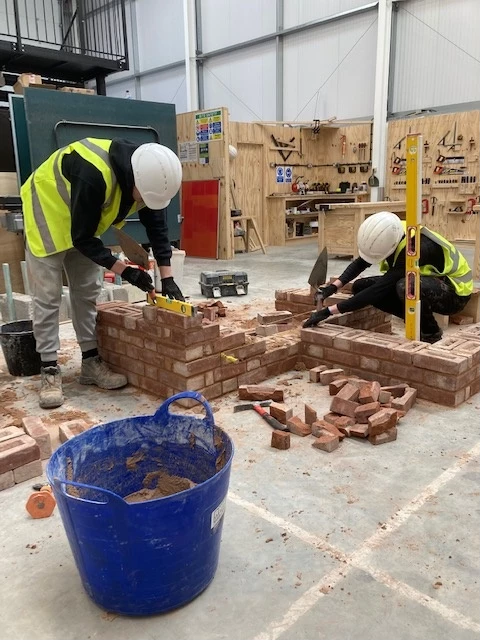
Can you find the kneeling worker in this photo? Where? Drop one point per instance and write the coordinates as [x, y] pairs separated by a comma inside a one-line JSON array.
[[68, 203], [446, 281]]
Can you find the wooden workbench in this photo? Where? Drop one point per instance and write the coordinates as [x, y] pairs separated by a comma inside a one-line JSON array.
[[339, 225]]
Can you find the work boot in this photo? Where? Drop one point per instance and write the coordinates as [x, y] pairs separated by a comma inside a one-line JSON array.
[[51, 394], [432, 338], [95, 372]]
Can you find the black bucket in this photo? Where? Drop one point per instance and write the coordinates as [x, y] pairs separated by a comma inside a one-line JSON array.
[[19, 348]]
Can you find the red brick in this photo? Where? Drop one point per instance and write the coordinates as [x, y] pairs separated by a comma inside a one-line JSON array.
[[323, 335], [405, 402], [359, 430], [113, 316], [336, 386], [230, 370], [281, 412], [29, 471], [280, 294], [384, 397], [367, 364], [344, 340], [373, 346], [7, 480], [131, 365], [230, 385], [326, 443], [310, 414], [471, 350], [11, 431], [439, 361], [385, 437], [250, 350], [210, 313], [363, 412], [328, 375], [447, 382], [382, 421], [369, 393], [69, 429], [254, 377], [197, 367], [358, 382], [315, 351], [261, 393], [17, 452], [266, 330], [341, 406], [349, 392], [131, 321], [230, 340], [459, 319], [395, 390], [280, 440], [342, 422], [449, 343], [35, 428], [323, 428], [298, 427], [337, 357], [212, 391], [274, 317]]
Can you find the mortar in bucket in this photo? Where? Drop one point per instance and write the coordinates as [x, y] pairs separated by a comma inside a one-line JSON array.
[[155, 555], [19, 348]]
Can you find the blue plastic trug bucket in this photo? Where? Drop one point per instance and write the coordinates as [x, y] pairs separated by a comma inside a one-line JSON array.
[[156, 555]]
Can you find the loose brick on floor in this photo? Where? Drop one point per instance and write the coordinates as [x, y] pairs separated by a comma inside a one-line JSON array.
[[315, 373], [9, 432], [406, 401], [69, 429], [385, 437], [35, 428], [363, 412], [341, 406], [326, 443], [310, 414], [281, 412], [382, 421], [280, 440], [17, 452], [336, 386], [348, 392], [274, 317], [28, 471], [369, 393], [298, 427], [384, 397], [261, 393], [328, 375], [359, 430], [395, 390], [6, 480]]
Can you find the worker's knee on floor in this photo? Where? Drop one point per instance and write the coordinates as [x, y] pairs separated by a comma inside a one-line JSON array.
[[360, 284]]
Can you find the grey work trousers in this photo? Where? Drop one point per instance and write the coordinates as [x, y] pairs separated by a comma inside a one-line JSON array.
[[45, 279]]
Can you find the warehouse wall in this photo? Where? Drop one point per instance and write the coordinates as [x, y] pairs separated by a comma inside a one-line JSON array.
[[437, 54], [328, 70]]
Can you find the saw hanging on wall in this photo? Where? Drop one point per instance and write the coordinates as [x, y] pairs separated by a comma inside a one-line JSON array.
[[280, 145]]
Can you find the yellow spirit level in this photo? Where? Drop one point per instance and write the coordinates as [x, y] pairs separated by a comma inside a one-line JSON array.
[[414, 148], [172, 305]]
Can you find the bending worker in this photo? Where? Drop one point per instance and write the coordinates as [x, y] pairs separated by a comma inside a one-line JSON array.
[[68, 202], [446, 281]]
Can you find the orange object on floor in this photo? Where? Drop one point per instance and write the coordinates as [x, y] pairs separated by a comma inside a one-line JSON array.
[[41, 505]]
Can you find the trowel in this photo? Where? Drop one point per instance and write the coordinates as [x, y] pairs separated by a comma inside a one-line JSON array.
[[319, 271], [131, 248]]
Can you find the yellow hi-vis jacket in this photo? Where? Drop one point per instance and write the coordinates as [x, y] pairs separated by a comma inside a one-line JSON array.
[[456, 267], [46, 198]]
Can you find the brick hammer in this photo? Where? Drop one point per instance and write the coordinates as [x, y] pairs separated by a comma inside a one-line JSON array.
[[259, 408]]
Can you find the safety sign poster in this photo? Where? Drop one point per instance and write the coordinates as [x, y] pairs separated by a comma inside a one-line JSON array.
[[208, 126]]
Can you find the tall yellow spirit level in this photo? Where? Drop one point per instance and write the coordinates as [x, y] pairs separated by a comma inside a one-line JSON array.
[[414, 161]]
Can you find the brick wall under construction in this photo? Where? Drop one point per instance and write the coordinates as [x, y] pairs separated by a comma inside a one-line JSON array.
[[164, 353]]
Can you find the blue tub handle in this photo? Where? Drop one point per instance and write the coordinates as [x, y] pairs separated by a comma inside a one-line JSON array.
[[162, 415], [111, 496]]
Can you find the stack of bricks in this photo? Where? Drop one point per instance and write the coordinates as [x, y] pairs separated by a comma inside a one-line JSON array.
[[446, 372], [22, 450], [273, 323], [165, 353], [301, 301]]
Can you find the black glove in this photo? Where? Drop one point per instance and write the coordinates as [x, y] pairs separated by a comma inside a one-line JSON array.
[[170, 289], [324, 292], [317, 317], [138, 278]]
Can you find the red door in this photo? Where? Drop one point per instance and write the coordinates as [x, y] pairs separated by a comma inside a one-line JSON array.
[[200, 218]]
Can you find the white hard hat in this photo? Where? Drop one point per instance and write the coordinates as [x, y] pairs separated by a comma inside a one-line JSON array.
[[157, 174], [378, 236], [232, 151]]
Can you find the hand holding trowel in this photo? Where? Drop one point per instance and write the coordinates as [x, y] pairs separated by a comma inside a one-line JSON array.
[[136, 253]]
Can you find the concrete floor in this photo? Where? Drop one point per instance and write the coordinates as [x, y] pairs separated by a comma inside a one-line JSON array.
[[364, 543]]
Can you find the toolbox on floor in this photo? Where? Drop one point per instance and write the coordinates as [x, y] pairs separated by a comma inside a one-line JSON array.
[[223, 283]]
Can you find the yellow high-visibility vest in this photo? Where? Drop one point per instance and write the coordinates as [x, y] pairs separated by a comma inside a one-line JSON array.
[[456, 267], [46, 198]]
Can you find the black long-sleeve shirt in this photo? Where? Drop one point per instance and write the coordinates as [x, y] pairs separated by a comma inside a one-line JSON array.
[[430, 254], [88, 196]]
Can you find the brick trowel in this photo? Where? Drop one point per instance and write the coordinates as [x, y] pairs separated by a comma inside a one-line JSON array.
[[319, 273], [131, 248]]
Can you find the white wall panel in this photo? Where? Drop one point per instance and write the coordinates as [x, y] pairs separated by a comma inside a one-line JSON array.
[[244, 82], [118, 90], [160, 27], [166, 86], [437, 54], [330, 70], [228, 22], [299, 12]]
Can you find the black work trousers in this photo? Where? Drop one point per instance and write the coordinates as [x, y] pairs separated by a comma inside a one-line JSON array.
[[437, 296]]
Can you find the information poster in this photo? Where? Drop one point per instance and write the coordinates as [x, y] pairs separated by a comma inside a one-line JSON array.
[[208, 126]]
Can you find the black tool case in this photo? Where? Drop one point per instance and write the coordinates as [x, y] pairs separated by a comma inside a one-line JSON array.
[[223, 283]]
